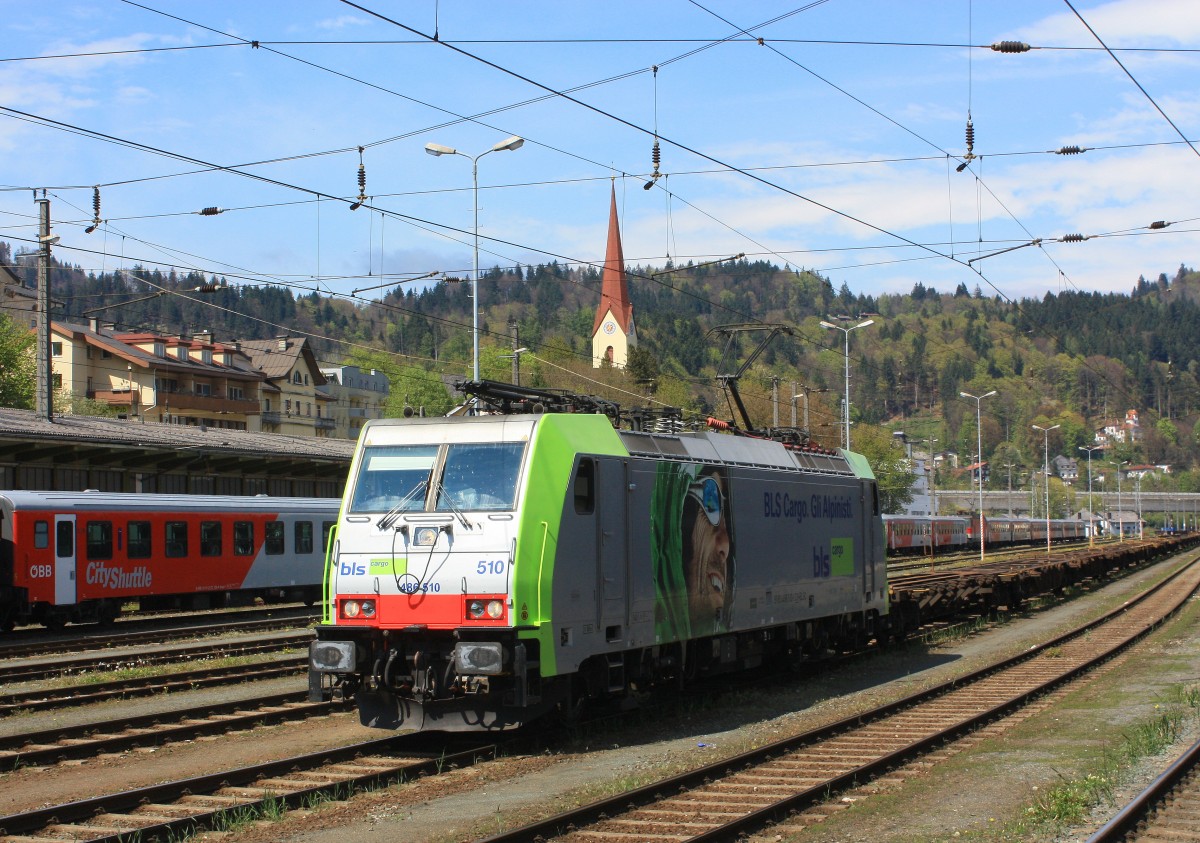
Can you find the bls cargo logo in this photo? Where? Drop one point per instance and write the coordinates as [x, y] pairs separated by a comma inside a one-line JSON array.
[[835, 561]]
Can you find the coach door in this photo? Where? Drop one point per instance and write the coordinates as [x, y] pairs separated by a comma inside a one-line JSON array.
[[64, 560], [612, 501]]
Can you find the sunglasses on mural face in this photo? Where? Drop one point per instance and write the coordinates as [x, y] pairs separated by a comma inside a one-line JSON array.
[[707, 493]]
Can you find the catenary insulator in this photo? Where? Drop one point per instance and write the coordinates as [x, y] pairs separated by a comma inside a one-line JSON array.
[[656, 155], [1157, 224], [211, 211], [96, 202], [1070, 150], [1072, 238], [1011, 47], [970, 137]]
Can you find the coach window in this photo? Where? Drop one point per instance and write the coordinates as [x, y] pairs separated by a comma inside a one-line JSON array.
[[243, 538], [210, 538], [326, 529], [41, 534], [177, 540], [99, 540], [274, 538], [585, 487], [304, 537], [64, 539], [139, 540]]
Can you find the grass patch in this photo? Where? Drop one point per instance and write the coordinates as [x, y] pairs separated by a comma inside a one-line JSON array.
[[1068, 803]]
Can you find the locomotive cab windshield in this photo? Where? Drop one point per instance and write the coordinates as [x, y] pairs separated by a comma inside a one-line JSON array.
[[477, 476]]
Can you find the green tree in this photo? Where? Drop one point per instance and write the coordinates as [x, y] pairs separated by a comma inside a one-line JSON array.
[[17, 378], [893, 472]]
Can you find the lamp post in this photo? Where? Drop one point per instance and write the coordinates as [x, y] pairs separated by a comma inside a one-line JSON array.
[[1120, 504], [1046, 470], [512, 143], [1091, 507], [846, 404], [978, 399]]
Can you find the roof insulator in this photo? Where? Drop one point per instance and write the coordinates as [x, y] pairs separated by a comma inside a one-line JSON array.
[[1073, 238], [1011, 47], [1070, 150], [210, 211], [1157, 224]]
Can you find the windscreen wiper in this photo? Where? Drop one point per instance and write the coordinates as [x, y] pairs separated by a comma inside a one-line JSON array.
[[442, 493], [389, 517]]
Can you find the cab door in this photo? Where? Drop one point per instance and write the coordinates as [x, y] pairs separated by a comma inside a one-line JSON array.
[[64, 560]]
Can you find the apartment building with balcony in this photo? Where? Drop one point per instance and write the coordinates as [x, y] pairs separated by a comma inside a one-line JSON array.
[[186, 380]]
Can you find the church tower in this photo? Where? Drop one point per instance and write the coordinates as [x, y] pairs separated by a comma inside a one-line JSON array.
[[613, 333]]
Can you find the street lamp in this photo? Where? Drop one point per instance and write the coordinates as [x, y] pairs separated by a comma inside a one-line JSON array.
[[1091, 506], [1120, 504], [512, 143], [978, 399], [846, 404], [1046, 470]]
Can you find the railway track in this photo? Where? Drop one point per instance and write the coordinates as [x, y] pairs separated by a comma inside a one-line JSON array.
[[24, 644], [55, 698], [176, 809], [63, 743], [1164, 811], [31, 670], [779, 783]]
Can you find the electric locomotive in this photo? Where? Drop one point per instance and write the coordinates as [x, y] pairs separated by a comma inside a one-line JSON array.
[[486, 570]]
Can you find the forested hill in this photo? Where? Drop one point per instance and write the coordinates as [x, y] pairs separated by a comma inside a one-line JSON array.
[[1070, 358]]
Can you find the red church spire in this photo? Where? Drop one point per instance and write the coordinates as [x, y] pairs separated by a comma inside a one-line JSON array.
[[614, 290]]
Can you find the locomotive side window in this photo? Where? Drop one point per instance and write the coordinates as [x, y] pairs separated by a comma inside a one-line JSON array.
[[585, 487], [480, 476], [274, 538], [99, 540], [177, 539], [304, 537], [41, 534], [393, 477], [210, 538], [64, 539], [243, 538], [139, 540]]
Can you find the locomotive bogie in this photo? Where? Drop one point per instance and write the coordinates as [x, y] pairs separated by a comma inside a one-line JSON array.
[[585, 562]]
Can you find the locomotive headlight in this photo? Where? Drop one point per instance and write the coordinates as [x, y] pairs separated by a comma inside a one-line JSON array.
[[475, 609], [368, 608], [495, 609], [425, 536], [351, 608]]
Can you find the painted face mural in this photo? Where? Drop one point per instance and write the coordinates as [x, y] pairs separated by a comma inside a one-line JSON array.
[[693, 550]]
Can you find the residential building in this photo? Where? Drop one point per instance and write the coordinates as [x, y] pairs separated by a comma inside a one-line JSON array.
[[1066, 468], [153, 377], [295, 402], [357, 396]]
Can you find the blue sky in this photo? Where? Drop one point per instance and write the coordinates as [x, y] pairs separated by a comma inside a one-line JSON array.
[[829, 146]]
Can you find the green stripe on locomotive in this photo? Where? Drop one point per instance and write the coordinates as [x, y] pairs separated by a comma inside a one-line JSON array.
[[557, 440]]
